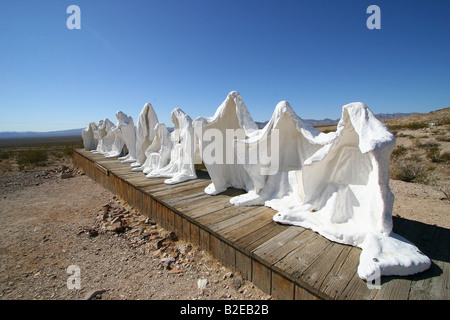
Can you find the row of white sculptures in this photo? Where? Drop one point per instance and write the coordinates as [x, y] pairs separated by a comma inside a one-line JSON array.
[[336, 183]]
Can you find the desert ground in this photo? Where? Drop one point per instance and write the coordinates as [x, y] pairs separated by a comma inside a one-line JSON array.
[[54, 217]]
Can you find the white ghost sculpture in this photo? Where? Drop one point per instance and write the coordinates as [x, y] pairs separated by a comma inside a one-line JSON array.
[[231, 120], [118, 144], [158, 153], [290, 140], [125, 137], [181, 165], [89, 141], [104, 136], [344, 195], [145, 133]]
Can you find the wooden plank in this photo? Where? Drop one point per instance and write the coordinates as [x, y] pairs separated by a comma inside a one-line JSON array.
[[155, 183], [394, 288], [146, 183], [186, 230], [249, 225], [249, 242], [282, 288], [261, 276], [175, 202], [303, 294], [307, 248], [162, 188], [223, 252], [278, 247], [244, 265], [204, 240], [178, 228], [317, 271], [215, 225], [188, 206], [180, 197], [102, 169], [340, 272], [213, 214], [195, 234], [356, 288], [177, 196]]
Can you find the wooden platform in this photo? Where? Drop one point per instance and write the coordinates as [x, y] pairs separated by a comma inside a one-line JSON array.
[[285, 261]]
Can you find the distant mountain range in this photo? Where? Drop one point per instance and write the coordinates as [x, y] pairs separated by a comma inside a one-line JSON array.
[[77, 132], [331, 122], [32, 134]]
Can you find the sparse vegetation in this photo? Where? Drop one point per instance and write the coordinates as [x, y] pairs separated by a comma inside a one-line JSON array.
[[434, 153], [408, 170], [68, 148], [443, 138], [445, 157], [24, 154], [398, 152], [32, 157], [411, 126], [4, 155], [422, 154]]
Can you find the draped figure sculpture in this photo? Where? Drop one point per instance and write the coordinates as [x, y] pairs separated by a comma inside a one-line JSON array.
[[87, 134], [145, 133], [158, 153], [104, 136], [181, 165], [232, 116], [126, 136]]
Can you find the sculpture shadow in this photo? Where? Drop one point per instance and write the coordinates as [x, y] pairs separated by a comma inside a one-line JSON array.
[[432, 240], [202, 174]]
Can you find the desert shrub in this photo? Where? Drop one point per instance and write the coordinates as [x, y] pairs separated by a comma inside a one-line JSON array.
[[445, 157], [412, 126], [408, 170], [399, 151], [68, 148], [4, 155], [31, 157], [426, 144], [434, 153], [443, 138], [444, 121], [57, 154]]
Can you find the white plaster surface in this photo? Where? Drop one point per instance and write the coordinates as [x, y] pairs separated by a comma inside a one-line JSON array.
[[145, 133], [87, 134], [181, 166], [231, 114]]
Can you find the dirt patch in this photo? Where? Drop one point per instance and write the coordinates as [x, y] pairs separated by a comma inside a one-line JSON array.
[[50, 223]]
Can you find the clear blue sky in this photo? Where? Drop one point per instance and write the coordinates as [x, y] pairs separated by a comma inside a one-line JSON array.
[[318, 55]]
